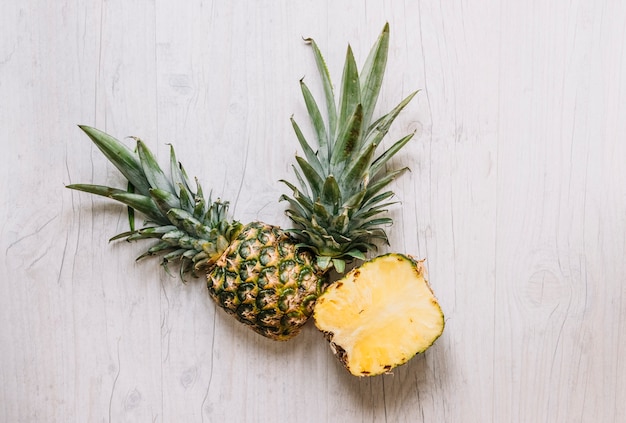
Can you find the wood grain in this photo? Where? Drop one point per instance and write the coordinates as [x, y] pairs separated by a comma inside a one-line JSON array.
[[516, 197]]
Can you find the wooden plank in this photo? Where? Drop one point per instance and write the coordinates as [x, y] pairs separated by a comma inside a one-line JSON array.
[[516, 198]]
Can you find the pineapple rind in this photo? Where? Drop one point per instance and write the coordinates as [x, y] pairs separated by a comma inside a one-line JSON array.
[[380, 315], [265, 283]]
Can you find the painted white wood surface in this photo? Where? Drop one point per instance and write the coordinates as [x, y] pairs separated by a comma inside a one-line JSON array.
[[517, 198]]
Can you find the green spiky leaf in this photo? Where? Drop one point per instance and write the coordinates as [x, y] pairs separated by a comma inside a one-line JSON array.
[[339, 211], [318, 124], [388, 154], [152, 171], [372, 74], [310, 155], [122, 157], [348, 140], [350, 90], [329, 95], [331, 194], [190, 228], [313, 178]]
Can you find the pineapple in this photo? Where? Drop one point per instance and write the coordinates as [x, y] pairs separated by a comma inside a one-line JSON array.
[[381, 314], [268, 278], [254, 272]]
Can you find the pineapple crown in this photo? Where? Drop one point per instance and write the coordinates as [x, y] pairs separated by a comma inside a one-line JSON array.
[[340, 196], [188, 227]]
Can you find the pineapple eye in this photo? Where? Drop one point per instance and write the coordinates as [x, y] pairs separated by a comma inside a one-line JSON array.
[[246, 312], [248, 270], [268, 318], [246, 292], [245, 249], [268, 255], [305, 275], [227, 301], [286, 270], [266, 299], [230, 281], [268, 278], [263, 237], [287, 300]]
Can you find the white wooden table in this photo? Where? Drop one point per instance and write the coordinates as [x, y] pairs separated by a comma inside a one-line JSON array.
[[517, 198]]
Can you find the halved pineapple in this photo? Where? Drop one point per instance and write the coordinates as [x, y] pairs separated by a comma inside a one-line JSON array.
[[380, 315]]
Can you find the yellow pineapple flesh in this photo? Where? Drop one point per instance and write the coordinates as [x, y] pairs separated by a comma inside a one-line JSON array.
[[380, 315]]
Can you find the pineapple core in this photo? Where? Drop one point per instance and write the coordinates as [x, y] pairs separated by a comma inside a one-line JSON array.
[[380, 315]]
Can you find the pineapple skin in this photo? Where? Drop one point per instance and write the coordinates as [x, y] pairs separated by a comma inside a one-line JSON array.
[[395, 332], [266, 283]]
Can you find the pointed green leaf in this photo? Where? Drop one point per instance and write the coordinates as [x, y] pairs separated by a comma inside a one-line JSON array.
[[314, 239], [185, 220], [296, 207], [321, 214], [377, 222], [304, 187], [348, 139], [389, 153], [339, 264], [165, 201], [139, 202], [186, 203], [340, 222], [317, 121], [155, 249], [372, 74], [145, 233], [356, 254], [122, 157], [200, 208], [341, 239], [314, 179], [310, 155], [131, 211], [142, 204], [331, 194], [176, 254], [323, 262], [151, 169], [305, 201], [358, 170], [331, 108], [373, 202], [350, 90], [297, 219], [126, 234], [364, 214], [355, 201], [199, 192], [370, 234], [375, 187], [378, 130], [179, 177]]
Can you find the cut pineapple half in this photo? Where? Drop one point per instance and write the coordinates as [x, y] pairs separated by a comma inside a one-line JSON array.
[[380, 315]]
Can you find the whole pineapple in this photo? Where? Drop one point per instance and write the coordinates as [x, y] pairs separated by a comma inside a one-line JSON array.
[[254, 271]]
